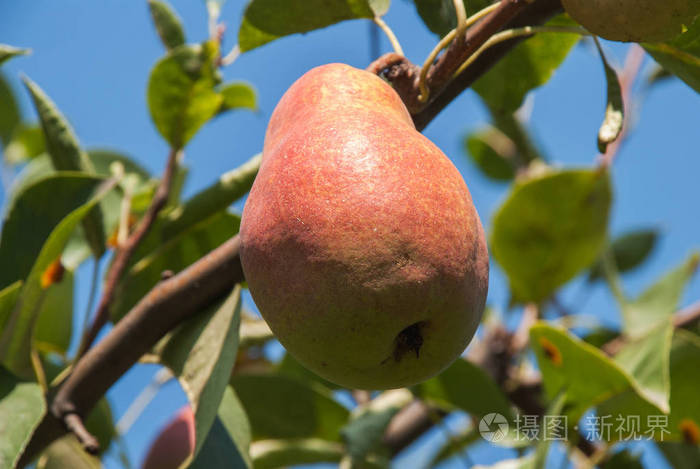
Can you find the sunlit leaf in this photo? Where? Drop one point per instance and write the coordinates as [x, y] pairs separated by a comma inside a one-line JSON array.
[[67, 155], [550, 228], [181, 95], [658, 302], [167, 23], [238, 95], [267, 20], [27, 142], [587, 375], [7, 52]]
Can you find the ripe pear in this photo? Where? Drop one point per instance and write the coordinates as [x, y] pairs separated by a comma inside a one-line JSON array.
[[174, 443], [634, 20], [359, 241]]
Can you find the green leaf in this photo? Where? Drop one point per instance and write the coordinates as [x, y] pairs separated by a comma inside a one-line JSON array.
[[379, 7], [515, 129], [167, 23], [16, 338], [238, 95], [181, 95], [54, 325], [533, 63], [588, 376], [100, 423], [282, 407], [615, 109], [7, 52], [680, 455], [623, 460], [67, 452], [658, 303], [201, 354], [363, 434], [646, 359], [493, 153], [684, 419], [267, 20], [629, 251], [448, 388], [8, 298], [440, 16], [22, 407], [228, 440], [271, 454], [550, 228], [27, 142], [33, 214], [173, 254], [10, 115], [681, 56], [66, 155], [78, 249]]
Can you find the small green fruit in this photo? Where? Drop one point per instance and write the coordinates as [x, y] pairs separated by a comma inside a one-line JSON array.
[[634, 20], [359, 240]]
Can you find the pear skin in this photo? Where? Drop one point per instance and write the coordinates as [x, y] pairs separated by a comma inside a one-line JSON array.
[[359, 240]]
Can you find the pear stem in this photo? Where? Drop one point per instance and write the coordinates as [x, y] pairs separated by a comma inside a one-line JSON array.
[[389, 34], [461, 16], [509, 34], [445, 41]]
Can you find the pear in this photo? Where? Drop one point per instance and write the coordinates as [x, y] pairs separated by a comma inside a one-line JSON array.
[[634, 20], [359, 240], [174, 444]]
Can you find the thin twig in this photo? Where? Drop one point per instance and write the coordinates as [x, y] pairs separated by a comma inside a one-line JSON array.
[[389, 34], [514, 33], [74, 424], [124, 253], [444, 42]]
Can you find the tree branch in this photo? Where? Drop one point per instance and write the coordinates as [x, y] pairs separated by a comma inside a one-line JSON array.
[[124, 253]]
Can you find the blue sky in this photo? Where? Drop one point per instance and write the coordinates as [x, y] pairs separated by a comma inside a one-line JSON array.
[[93, 59]]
